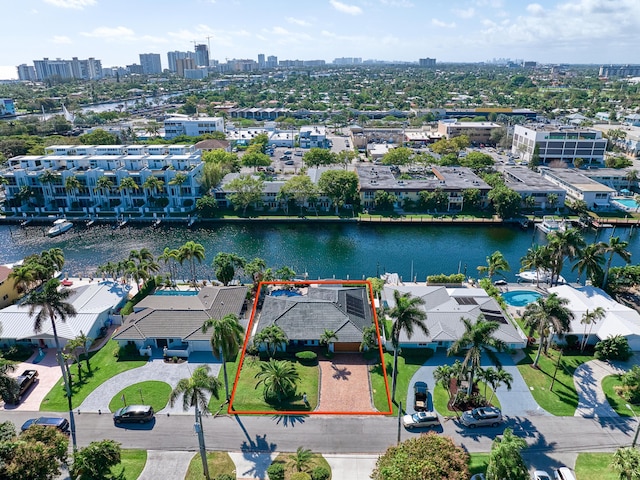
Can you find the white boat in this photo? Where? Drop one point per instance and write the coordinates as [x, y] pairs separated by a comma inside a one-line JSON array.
[[59, 227], [533, 276], [551, 224]]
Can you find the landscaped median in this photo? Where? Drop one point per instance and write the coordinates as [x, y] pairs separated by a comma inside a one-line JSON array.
[[104, 365], [153, 393], [132, 463]]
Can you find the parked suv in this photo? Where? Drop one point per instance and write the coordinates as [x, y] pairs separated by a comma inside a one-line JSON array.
[[482, 416], [60, 423], [421, 419], [133, 414], [421, 395]]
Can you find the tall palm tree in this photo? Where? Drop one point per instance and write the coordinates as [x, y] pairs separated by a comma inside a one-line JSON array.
[[72, 184], [195, 392], [191, 251], [590, 261], [127, 186], [563, 245], [49, 303], [153, 184], [590, 318], [547, 315], [631, 176], [407, 315], [501, 377], [496, 264], [537, 258], [279, 379], [617, 247], [477, 339], [170, 258], [226, 337], [104, 186]]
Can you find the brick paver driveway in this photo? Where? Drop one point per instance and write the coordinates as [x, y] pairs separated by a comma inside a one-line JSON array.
[[344, 384]]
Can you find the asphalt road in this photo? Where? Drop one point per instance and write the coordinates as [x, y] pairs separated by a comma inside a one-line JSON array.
[[343, 434]]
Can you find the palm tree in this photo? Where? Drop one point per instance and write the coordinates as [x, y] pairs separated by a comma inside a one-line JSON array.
[[191, 251], [618, 247], [590, 261], [369, 338], [563, 244], [301, 459], [496, 264], [48, 178], [170, 257], [272, 337], [49, 303], [226, 338], [546, 315], [327, 337], [407, 316], [23, 278], [127, 186], [631, 176], [104, 186], [279, 379], [153, 184], [590, 318], [501, 377], [477, 339], [626, 460], [537, 258], [195, 392]]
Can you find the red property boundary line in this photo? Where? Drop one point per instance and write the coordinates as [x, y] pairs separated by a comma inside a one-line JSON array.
[[366, 283]]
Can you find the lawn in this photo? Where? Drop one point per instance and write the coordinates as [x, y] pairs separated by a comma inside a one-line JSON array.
[[218, 462], [616, 401], [152, 393], [248, 398], [317, 460], [595, 466], [563, 400], [478, 463], [132, 462], [441, 399], [408, 364], [103, 366]]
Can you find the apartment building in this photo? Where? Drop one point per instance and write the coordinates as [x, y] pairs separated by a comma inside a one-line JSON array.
[[478, 132], [150, 63], [579, 187], [313, 137], [528, 183], [559, 143], [191, 126]]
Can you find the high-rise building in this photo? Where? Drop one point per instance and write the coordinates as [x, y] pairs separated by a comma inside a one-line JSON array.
[[26, 73], [46, 69], [202, 55], [261, 61], [183, 64], [173, 56], [427, 62], [619, 71], [272, 61], [347, 61], [150, 63]]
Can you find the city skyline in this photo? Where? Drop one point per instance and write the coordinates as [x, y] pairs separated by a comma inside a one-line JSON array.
[[546, 31]]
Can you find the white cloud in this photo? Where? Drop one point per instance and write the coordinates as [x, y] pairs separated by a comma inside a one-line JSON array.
[[490, 3], [535, 9], [75, 4], [439, 23], [298, 21], [464, 13], [61, 39], [397, 3], [110, 33], [345, 8]]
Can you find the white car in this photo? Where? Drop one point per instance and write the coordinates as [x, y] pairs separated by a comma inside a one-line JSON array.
[[541, 475], [421, 419]]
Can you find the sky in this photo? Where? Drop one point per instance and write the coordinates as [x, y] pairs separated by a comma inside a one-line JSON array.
[[116, 31]]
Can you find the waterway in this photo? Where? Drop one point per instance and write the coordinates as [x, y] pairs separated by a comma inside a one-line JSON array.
[[320, 250]]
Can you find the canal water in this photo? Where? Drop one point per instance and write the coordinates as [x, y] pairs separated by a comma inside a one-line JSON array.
[[320, 250]]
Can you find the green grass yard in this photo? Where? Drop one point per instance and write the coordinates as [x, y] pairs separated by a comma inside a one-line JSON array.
[[595, 466], [616, 401], [152, 393], [218, 463], [132, 463], [317, 460]]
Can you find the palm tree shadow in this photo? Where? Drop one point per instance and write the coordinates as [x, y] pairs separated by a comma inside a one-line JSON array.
[[289, 420], [341, 373], [257, 451]]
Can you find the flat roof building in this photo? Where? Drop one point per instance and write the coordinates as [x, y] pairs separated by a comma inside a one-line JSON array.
[[528, 183], [478, 132], [579, 187], [191, 126]]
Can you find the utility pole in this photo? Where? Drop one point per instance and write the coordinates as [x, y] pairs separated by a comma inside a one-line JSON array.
[[556, 371], [635, 437], [203, 450]]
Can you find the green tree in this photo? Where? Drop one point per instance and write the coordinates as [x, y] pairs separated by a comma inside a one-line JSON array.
[[207, 206], [226, 337], [170, 257], [255, 159], [590, 261], [35, 455], [505, 459], [153, 185], [423, 457], [615, 247], [257, 270], [284, 273], [478, 338], [384, 200], [9, 387], [500, 377], [566, 244], [272, 337], [496, 265], [244, 191], [537, 258], [590, 318], [319, 156], [279, 379], [547, 315], [301, 460], [369, 338], [506, 202], [340, 186], [327, 337], [94, 462], [191, 252], [407, 315], [626, 461], [470, 198], [98, 137], [300, 188], [397, 156], [225, 265]]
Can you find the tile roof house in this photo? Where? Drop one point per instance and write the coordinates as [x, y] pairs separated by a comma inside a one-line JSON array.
[[175, 321], [445, 307], [304, 318]]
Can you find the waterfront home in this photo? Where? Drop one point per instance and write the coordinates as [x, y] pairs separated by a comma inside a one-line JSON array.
[[175, 321], [95, 304], [528, 183], [445, 308], [346, 311], [619, 319], [579, 187]]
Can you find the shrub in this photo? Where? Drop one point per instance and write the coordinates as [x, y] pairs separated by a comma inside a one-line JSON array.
[[300, 476], [307, 357], [442, 278], [613, 348], [320, 473], [630, 389], [276, 471]]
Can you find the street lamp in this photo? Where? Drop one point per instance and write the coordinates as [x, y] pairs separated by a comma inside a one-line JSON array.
[[635, 437]]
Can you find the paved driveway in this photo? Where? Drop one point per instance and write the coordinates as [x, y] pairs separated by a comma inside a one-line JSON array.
[[588, 381], [518, 402], [344, 384], [154, 369]]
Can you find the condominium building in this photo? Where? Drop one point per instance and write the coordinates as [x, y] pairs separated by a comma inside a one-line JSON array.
[[150, 63], [71, 178], [478, 132], [427, 62], [191, 126], [172, 58], [26, 73], [579, 187], [7, 107], [89, 69], [559, 143], [202, 55], [528, 183], [313, 137], [183, 64]]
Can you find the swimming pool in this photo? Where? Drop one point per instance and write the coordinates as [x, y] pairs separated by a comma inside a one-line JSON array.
[[183, 293], [629, 204], [520, 298], [284, 293]]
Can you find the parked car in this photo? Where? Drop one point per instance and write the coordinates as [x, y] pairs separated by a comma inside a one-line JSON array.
[[564, 473], [133, 414], [60, 423], [541, 475], [287, 152], [481, 416], [289, 162], [421, 419], [298, 154], [24, 381], [421, 393], [285, 157]]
